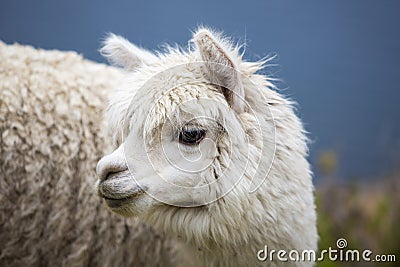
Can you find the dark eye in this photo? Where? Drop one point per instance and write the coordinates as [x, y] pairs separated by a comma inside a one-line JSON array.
[[191, 136]]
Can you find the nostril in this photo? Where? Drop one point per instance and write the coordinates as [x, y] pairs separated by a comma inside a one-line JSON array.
[[106, 168], [105, 172], [113, 163]]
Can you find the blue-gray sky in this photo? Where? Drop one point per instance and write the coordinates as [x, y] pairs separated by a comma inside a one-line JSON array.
[[339, 59]]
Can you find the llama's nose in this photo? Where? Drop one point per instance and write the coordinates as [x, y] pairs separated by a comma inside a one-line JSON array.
[[112, 163]]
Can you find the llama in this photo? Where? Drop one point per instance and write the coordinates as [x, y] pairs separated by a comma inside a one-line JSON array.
[[50, 139], [208, 153]]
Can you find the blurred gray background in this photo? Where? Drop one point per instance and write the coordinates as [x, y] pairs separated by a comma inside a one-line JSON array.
[[339, 60]]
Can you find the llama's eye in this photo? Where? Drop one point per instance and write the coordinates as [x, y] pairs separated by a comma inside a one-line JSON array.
[[191, 136]]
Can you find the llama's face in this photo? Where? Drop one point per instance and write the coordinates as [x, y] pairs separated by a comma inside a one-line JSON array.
[[180, 122]]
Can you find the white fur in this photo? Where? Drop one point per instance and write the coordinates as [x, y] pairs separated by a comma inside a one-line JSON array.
[[263, 139], [121, 52]]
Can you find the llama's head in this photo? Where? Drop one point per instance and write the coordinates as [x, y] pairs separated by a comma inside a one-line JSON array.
[[193, 132]]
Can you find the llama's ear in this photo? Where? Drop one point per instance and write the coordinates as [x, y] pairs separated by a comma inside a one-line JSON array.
[[219, 59], [119, 51]]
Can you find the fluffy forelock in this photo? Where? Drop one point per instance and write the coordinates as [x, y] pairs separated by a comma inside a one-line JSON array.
[[155, 90]]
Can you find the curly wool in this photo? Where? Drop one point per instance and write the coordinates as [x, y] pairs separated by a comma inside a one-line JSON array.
[[50, 142]]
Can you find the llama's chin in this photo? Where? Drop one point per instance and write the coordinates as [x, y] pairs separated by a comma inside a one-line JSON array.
[[119, 203], [129, 207]]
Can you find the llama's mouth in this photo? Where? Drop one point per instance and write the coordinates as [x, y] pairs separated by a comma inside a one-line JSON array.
[[120, 202], [119, 189]]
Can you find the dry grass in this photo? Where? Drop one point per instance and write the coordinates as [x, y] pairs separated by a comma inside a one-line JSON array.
[[366, 215]]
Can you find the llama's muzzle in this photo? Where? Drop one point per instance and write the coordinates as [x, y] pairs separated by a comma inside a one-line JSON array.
[[116, 184]]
